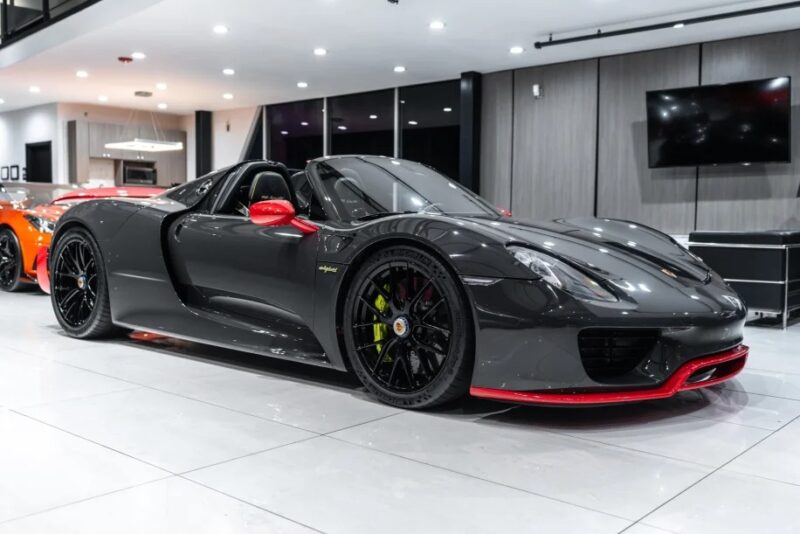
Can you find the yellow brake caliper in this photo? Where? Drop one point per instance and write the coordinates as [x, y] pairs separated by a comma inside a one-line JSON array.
[[380, 330]]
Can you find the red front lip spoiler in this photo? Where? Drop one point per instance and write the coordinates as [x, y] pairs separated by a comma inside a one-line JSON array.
[[731, 363]]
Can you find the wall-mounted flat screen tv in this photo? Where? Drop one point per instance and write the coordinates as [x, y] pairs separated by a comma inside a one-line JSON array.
[[746, 122]]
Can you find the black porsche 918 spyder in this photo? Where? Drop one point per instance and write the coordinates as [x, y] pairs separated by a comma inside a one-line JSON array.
[[389, 269]]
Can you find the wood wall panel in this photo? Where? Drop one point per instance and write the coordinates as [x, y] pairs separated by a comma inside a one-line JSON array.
[[554, 141], [627, 188], [496, 137], [761, 196]]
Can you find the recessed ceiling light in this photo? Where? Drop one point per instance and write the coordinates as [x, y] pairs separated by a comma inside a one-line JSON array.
[[342, 127], [448, 110], [228, 96], [2, 101], [139, 55], [162, 106], [412, 123], [34, 89], [82, 74], [516, 50], [302, 85], [161, 86], [220, 29], [320, 52], [679, 25], [102, 98], [228, 72], [399, 69], [437, 25], [284, 132], [373, 117]]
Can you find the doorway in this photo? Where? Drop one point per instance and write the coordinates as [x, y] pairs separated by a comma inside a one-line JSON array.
[[39, 162]]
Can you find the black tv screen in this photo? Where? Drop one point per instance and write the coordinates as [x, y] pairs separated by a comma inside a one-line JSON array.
[[746, 122]]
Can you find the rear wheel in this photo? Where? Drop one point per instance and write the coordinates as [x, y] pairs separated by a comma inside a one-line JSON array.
[[407, 329], [79, 291], [10, 262]]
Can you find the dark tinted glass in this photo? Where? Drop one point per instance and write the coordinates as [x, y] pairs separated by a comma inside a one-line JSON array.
[[255, 145], [736, 123], [362, 123], [430, 124], [192, 193], [370, 187], [295, 132]]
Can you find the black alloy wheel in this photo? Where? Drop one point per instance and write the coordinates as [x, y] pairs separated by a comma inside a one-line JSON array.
[[10, 261], [79, 290], [407, 329]]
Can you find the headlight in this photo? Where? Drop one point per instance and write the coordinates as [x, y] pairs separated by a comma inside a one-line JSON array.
[[562, 276], [43, 225]]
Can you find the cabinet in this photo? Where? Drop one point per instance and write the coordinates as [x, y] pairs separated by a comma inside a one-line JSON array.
[[171, 166], [99, 135]]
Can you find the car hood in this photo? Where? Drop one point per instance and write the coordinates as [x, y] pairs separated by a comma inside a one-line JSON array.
[[640, 262]]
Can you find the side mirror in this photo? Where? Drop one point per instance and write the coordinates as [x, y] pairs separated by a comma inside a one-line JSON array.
[[279, 213], [272, 213]]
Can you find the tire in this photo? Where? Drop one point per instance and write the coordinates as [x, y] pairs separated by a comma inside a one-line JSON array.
[[407, 329], [79, 293], [11, 262]]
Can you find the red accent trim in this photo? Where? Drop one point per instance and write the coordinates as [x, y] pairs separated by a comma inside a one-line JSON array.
[[145, 336], [42, 273], [737, 357], [304, 226]]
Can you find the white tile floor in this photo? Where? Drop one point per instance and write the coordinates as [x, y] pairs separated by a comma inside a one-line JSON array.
[[177, 438]]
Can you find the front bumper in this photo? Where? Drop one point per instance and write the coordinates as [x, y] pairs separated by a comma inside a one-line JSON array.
[[700, 373], [528, 337], [42, 272]]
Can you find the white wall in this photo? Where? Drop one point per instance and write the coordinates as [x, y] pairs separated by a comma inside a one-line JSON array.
[[29, 125], [231, 130]]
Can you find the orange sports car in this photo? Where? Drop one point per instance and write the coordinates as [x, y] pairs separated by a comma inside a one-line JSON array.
[[28, 215]]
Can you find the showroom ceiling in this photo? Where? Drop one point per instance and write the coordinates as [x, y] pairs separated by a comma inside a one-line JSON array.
[[270, 45]]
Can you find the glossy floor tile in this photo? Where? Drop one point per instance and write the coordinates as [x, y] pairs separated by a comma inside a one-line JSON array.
[[171, 432], [731, 503], [572, 470], [341, 488], [42, 467], [119, 436], [171, 506]]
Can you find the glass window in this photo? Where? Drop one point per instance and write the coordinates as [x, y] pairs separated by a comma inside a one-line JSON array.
[[192, 193], [295, 132], [370, 187], [362, 123], [22, 14], [430, 123]]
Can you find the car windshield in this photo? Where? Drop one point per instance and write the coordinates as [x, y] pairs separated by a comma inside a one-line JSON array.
[[364, 188], [26, 196]]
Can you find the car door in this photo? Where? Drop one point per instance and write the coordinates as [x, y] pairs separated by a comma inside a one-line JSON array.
[[225, 263]]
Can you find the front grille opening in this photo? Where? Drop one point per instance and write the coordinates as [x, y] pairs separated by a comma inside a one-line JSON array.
[[714, 372], [611, 353]]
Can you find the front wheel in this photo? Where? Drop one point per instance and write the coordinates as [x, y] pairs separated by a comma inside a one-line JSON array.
[[10, 262], [407, 329], [79, 290]]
